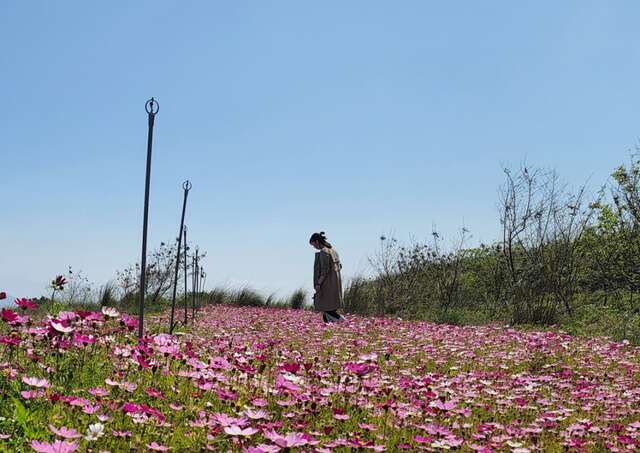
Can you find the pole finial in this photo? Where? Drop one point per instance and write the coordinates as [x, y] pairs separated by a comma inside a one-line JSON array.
[[152, 107]]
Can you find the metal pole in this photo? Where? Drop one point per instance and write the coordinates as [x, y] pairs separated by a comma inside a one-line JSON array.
[[151, 108], [194, 287], [187, 187], [203, 278], [186, 288]]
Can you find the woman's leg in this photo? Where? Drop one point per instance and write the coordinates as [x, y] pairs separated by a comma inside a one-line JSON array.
[[324, 317], [334, 314]]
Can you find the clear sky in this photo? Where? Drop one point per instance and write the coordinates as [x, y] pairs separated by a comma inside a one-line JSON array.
[[291, 117]]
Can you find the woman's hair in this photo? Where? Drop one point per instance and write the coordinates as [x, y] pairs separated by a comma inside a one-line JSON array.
[[321, 238]]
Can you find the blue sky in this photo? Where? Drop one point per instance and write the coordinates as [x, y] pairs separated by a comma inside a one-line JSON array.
[[356, 118]]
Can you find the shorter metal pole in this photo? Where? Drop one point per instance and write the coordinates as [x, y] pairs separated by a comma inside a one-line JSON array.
[[186, 288], [203, 277], [187, 187], [194, 265]]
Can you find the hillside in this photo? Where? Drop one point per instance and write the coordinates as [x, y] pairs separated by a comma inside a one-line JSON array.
[[266, 380]]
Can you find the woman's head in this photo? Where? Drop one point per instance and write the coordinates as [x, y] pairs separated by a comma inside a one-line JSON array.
[[319, 241]]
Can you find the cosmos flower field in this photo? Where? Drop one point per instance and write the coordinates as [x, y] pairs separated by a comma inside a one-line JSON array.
[[267, 380]]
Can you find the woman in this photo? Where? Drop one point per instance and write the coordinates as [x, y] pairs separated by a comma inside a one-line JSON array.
[[326, 279]]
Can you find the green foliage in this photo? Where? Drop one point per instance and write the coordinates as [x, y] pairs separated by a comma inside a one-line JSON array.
[[107, 297], [561, 261], [247, 297], [297, 300]]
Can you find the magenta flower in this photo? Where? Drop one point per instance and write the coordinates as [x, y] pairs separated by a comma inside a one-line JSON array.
[[292, 368], [359, 369], [157, 447], [9, 341], [26, 304], [129, 322], [58, 283], [131, 408], [55, 447], [8, 315]]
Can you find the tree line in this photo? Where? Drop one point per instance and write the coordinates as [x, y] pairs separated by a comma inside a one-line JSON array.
[[563, 257]]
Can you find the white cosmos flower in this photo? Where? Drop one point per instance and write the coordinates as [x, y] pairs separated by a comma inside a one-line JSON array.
[[110, 312], [94, 431], [61, 328]]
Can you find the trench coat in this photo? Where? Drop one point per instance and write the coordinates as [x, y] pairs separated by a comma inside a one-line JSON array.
[[326, 275]]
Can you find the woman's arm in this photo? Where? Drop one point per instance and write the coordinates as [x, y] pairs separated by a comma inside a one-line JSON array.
[[316, 272]]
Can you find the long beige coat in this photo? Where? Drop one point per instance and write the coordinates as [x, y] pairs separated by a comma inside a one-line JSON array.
[[326, 274]]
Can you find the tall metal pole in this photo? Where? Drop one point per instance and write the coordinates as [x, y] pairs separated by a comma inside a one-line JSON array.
[[187, 187], [152, 109], [186, 288]]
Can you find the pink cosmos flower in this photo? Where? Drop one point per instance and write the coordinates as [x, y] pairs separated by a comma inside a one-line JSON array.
[[262, 448], [340, 414], [32, 394], [81, 340], [289, 441], [154, 393], [94, 316], [59, 327], [55, 447], [235, 430], [98, 391], [284, 383], [157, 447], [90, 408], [129, 386], [35, 382], [257, 414], [423, 440], [260, 402], [225, 420], [75, 401], [67, 316], [65, 433], [480, 448], [443, 405]]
